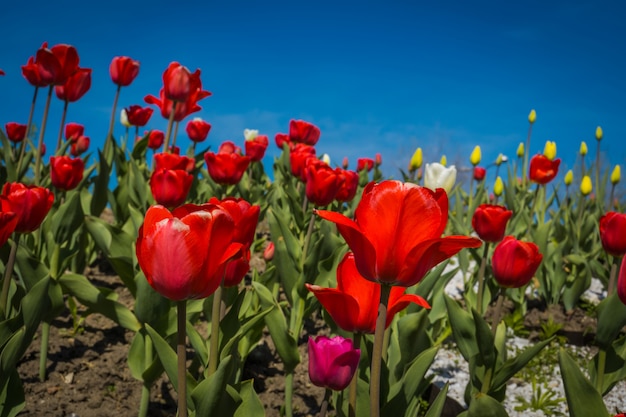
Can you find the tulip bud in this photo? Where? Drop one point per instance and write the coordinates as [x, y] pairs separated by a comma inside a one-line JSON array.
[[124, 118], [345, 162], [475, 156], [416, 160], [268, 253], [616, 175], [585, 185], [444, 160], [569, 177], [250, 134], [326, 159], [500, 159], [515, 262], [532, 116], [498, 187], [549, 150], [479, 173], [599, 133], [378, 159], [583, 148], [332, 362], [438, 176], [520, 150]]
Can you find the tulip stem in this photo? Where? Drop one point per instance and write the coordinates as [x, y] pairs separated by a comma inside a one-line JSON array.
[[63, 116], [598, 176], [43, 356], [41, 135], [497, 313], [4, 296], [112, 122], [168, 132], [175, 134], [481, 279], [215, 331], [289, 393], [181, 351], [600, 371], [307, 239], [324, 408], [613, 276], [145, 389], [526, 154], [377, 351], [356, 339], [23, 144]]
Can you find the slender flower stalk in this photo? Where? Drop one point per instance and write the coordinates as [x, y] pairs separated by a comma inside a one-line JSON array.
[[531, 120], [42, 131], [356, 338], [481, 279], [181, 351], [214, 342], [324, 408], [63, 116], [168, 132], [28, 124], [377, 352], [8, 273], [112, 122]]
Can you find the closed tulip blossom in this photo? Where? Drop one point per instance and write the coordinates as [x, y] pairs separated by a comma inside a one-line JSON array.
[[437, 175], [479, 173], [79, 146], [155, 139], [255, 147], [138, 116], [322, 182], [170, 187], [298, 157], [396, 235], [197, 130], [30, 203], [613, 233], [123, 70], [73, 131], [268, 252], [184, 253], [332, 361], [364, 163], [353, 305], [489, 221], [168, 160], [75, 86], [65, 172], [515, 262], [303, 132], [226, 167], [177, 82], [16, 132], [542, 169], [349, 185]]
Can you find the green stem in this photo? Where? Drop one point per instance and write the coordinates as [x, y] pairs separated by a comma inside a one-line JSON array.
[[377, 352], [526, 154], [356, 341], [289, 393], [168, 132], [182, 358], [532, 212], [23, 144], [41, 135], [145, 389], [215, 331], [324, 408], [43, 356], [597, 185], [497, 313], [471, 195], [307, 239], [112, 122], [600, 371], [481, 279], [63, 116], [544, 193], [175, 134], [613, 276], [6, 283]]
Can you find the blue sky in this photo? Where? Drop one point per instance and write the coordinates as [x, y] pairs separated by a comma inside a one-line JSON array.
[[375, 77]]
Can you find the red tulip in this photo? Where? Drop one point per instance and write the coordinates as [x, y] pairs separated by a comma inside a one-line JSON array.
[[322, 182], [345, 162], [229, 147], [170, 187], [479, 173], [79, 146], [303, 132], [76, 85], [177, 82], [268, 252], [155, 139], [30, 203], [298, 157], [332, 361], [396, 234], [66, 173], [16, 132], [543, 170], [123, 70], [515, 262], [226, 168], [255, 148], [173, 161], [51, 66], [73, 131], [621, 283], [2, 72], [184, 253], [353, 305], [489, 222], [8, 221], [364, 163], [197, 129], [281, 139], [348, 187], [378, 159], [613, 233], [138, 116]]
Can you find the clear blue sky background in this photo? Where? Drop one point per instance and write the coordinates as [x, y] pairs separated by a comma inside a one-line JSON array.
[[375, 77]]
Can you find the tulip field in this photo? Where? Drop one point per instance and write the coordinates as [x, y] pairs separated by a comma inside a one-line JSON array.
[[213, 259]]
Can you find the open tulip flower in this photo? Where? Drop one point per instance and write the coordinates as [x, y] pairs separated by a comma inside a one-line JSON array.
[[65, 172], [515, 262], [303, 132], [51, 66], [30, 203], [75, 86], [184, 253], [353, 305], [16, 132], [73, 131], [226, 167], [298, 157], [167, 160], [332, 361], [542, 169], [489, 221], [364, 163], [437, 175], [396, 234], [138, 116], [613, 233]]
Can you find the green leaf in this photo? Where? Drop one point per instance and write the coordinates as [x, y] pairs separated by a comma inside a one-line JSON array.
[[463, 329], [611, 320], [101, 186], [485, 341], [210, 397], [582, 398], [251, 405], [67, 219], [485, 406], [514, 365], [12, 399], [436, 407]]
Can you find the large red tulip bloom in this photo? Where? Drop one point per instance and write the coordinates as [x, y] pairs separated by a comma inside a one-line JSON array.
[[489, 221], [226, 168], [256, 147], [123, 70], [322, 182], [76, 86], [168, 160], [177, 82], [65, 172], [51, 65], [613, 233], [197, 130], [303, 132], [543, 170], [353, 305], [332, 361], [515, 262], [170, 187], [30, 203], [8, 221], [621, 283], [138, 116], [184, 253], [396, 234], [16, 132]]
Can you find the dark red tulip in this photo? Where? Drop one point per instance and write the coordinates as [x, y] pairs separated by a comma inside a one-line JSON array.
[[65, 172], [168, 160], [322, 182], [298, 158], [256, 147], [16, 132], [155, 139], [489, 222], [613, 233], [281, 139], [73, 131], [303, 132], [51, 65], [2, 72], [543, 170], [8, 221], [79, 146], [226, 168], [479, 173], [76, 85], [123, 70], [515, 262], [197, 130], [170, 187], [349, 185], [30, 203], [138, 116], [364, 163]]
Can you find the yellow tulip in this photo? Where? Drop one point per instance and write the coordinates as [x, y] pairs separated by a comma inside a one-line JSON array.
[[549, 151], [583, 148], [599, 133], [585, 185], [498, 187], [416, 160], [532, 116], [520, 150], [569, 177], [616, 175], [475, 156], [444, 160]]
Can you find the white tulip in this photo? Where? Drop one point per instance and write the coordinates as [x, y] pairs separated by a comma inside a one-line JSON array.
[[250, 134], [439, 176], [124, 118]]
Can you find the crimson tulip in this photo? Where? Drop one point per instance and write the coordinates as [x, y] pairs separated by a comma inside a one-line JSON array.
[[322, 182], [123, 70], [79, 146], [298, 157], [281, 139], [489, 221], [396, 234], [168, 160], [332, 361], [621, 283], [256, 147], [364, 163], [170, 187], [155, 139], [515, 262], [229, 147], [73, 131], [198, 130], [51, 65], [479, 173], [542, 169], [65, 172], [184, 253], [378, 159], [8, 221], [226, 168], [268, 252], [353, 305], [75, 86], [177, 82], [613, 233], [2, 72], [16, 132], [30, 203], [349, 185], [138, 116], [303, 132]]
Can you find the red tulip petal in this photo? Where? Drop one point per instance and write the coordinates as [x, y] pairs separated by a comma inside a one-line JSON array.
[[342, 307]]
